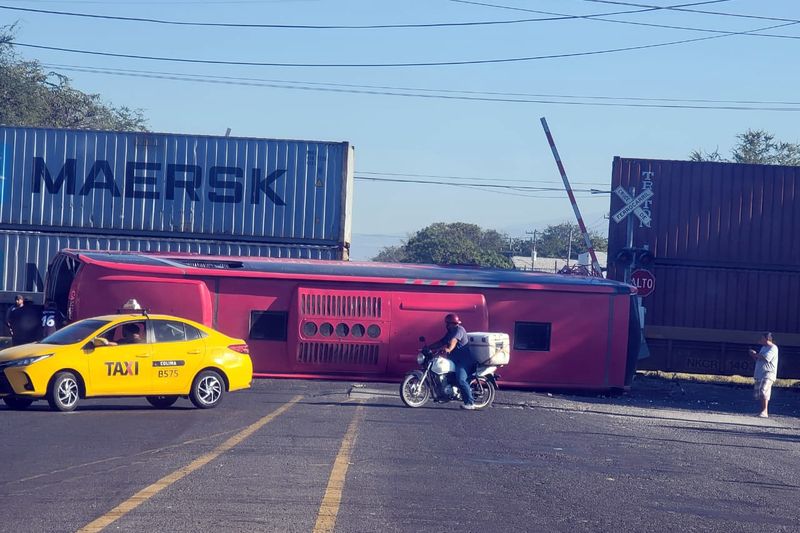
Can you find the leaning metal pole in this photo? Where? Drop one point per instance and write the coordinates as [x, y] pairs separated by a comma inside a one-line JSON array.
[[596, 271]]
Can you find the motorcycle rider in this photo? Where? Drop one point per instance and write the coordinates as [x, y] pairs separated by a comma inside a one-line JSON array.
[[454, 344]]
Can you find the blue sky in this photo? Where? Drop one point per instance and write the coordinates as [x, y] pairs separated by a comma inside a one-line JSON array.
[[478, 141]]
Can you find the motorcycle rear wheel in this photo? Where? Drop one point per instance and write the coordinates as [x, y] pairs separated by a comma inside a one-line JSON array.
[[414, 392], [483, 392]]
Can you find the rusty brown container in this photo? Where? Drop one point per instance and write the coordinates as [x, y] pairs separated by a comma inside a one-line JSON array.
[[726, 244]]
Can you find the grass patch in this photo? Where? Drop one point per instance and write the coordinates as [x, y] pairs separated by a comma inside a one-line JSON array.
[[711, 378]]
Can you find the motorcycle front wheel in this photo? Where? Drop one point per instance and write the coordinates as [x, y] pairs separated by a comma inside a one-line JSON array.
[[483, 392], [413, 391]]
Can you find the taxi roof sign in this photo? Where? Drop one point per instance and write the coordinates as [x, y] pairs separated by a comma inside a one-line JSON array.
[[132, 305]]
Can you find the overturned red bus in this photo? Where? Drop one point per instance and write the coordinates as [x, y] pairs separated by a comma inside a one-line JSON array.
[[343, 320]]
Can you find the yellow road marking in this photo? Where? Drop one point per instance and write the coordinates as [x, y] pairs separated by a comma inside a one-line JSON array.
[[148, 492], [326, 518]]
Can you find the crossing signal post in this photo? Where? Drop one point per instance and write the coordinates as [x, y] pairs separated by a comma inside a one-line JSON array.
[[636, 260], [631, 257]]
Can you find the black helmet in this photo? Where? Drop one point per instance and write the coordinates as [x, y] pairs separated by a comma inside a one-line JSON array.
[[452, 318]]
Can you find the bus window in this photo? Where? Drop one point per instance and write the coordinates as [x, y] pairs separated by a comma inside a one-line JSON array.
[[268, 325], [532, 336]]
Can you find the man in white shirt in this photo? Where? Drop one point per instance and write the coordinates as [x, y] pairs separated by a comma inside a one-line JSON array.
[[766, 371]]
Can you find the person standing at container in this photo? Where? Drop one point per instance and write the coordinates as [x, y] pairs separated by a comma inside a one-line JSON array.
[[766, 371], [13, 314], [52, 319], [22, 322]]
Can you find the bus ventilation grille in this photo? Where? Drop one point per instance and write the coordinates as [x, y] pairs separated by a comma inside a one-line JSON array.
[[334, 305], [321, 353]]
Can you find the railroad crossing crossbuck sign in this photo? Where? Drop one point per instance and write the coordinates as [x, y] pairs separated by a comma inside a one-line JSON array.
[[633, 205]]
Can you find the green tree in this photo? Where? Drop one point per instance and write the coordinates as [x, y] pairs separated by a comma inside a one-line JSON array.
[[32, 96], [391, 254], [701, 155], [755, 146], [451, 244], [554, 241]]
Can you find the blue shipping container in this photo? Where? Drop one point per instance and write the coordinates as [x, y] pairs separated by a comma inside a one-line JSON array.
[[133, 184], [24, 256]]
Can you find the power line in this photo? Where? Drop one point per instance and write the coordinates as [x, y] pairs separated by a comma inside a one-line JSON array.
[[701, 11], [382, 235], [555, 17], [391, 65], [423, 89], [602, 18], [302, 26], [176, 2], [486, 186], [643, 10], [471, 178], [289, 86]]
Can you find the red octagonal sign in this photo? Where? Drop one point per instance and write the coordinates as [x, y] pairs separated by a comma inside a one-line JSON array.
[[644, 281]]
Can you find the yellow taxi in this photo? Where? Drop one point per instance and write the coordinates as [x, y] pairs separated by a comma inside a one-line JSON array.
[[160, 357]]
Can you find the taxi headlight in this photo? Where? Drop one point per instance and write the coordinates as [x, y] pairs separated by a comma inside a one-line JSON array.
[[28, 360], [420, 359]]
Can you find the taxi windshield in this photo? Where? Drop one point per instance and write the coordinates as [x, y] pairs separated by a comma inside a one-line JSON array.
[[74, 332]]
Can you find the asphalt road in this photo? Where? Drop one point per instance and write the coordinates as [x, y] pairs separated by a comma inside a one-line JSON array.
[[304, 456]]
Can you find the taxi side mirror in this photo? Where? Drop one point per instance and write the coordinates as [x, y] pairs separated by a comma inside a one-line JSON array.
[[88, 347]]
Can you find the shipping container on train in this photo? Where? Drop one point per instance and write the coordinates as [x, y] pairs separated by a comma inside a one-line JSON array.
[[268, 193], [24, 256], [726, 244]]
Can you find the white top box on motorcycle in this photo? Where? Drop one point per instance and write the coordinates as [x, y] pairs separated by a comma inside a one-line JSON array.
[[489, 348]]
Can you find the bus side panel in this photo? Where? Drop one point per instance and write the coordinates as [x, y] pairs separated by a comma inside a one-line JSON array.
[[99, 293], [421, 313], [258, 311], [558, 338]]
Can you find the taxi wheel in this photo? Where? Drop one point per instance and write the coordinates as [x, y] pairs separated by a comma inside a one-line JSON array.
[[207, 389], [162, 402], [64, 392], [15, 402]]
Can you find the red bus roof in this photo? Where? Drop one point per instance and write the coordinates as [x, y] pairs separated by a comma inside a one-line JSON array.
[[309, 269]]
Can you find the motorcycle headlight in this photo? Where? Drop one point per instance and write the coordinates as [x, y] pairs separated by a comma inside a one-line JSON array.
[[420, 359], [28, 360]]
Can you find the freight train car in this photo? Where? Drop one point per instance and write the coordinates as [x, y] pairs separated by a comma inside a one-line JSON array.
[[144, 191], [341, 320], [725, 245]]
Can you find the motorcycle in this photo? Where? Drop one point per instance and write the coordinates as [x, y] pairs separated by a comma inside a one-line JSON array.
[[437, 380]]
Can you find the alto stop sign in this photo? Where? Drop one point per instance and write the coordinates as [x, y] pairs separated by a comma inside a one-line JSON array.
[[644, 281]]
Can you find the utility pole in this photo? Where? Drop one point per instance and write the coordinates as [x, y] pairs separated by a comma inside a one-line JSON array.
[[569, 246], [533, 248]]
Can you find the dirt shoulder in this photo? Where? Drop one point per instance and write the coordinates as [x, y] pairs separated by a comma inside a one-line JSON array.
[[653, 396]]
